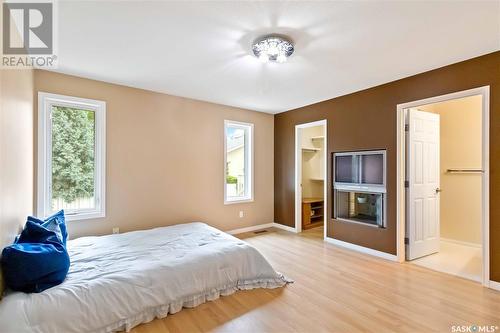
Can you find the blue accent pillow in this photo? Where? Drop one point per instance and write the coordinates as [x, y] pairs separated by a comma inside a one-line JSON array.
[[38, 260], [56, 223]]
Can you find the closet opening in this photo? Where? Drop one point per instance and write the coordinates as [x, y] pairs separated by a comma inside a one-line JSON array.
[[310, 177]]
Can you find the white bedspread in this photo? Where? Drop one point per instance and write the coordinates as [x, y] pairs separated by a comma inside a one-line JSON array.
[[116, 282]]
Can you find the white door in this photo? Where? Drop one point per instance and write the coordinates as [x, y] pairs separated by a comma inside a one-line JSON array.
[[423, 184]]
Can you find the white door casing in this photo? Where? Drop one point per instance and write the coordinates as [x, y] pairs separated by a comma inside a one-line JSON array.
[[423, 184], [298, 173]]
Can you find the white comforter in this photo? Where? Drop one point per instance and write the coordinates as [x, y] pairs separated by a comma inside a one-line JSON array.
[[116, 282]]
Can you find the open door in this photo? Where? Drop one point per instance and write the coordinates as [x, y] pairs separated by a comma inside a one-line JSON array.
[[423, 184]]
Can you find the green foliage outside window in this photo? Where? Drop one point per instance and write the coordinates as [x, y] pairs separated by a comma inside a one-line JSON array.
[[231, 179], [73, 141]]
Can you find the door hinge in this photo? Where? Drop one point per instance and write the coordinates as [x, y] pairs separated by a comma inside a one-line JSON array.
[[407, 127], [407, 183], [407, 241]]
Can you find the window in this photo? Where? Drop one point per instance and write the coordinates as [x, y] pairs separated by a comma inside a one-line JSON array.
[[71, 156], [238, 162]]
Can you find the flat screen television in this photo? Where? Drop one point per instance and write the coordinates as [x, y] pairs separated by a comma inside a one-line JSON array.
[[362, 168], [359, 187]]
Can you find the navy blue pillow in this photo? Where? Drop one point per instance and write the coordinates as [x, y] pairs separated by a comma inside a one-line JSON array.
[[55, 222], [37, 261], [36, 233]]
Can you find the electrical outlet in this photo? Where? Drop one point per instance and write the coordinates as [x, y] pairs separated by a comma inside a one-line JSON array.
[[116, 230], [241, 214]]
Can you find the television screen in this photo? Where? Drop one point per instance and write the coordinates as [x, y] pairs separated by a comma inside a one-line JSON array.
[[359, 168], [372, 169], [346, 169]]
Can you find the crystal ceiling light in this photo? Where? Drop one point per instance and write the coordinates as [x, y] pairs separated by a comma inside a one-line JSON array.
[[272, 48]]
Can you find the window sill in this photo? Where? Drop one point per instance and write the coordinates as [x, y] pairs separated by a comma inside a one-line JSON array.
[[238, 201], [84, 216]]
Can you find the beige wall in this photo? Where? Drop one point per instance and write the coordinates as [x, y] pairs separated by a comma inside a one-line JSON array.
[[16, 151], [461, 122], [312, 163], [165, 158]]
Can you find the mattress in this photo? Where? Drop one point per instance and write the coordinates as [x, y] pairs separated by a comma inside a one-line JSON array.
[[118, 281]]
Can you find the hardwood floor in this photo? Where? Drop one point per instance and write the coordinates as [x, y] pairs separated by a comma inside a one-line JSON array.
[[337, 290]]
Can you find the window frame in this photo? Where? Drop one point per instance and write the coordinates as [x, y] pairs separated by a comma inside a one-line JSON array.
[[249, 163], [44, 173]]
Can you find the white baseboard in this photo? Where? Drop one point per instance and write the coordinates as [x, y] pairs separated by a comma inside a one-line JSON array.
[[260, 227], [249, 229], [284, 227], [454, 241], [361, 249], [494, 285]]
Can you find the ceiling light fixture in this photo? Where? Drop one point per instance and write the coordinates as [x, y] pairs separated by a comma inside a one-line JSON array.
[[273, 48]]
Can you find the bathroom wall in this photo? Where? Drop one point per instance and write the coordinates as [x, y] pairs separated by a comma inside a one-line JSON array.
[[461, 132]]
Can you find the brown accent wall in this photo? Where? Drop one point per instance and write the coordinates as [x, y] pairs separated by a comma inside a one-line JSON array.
[[367, 120], [165, 162]]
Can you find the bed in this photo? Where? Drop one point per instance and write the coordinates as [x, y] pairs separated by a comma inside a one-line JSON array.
[[118, 281]]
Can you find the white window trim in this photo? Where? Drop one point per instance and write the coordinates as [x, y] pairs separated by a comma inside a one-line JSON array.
[[44, 177], [249, 164]]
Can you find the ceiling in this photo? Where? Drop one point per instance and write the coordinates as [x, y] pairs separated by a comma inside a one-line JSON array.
[[202, 50]]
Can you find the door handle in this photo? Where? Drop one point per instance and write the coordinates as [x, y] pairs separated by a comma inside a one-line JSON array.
[[438, 190]]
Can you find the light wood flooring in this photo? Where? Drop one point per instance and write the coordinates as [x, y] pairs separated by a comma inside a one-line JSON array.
[[337, 290], [456, 259]]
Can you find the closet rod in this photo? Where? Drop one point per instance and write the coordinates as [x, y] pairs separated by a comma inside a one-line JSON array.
[[464, 171]]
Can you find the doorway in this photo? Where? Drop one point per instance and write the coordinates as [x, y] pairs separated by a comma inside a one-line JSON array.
[[445, 153], [310, 176]]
